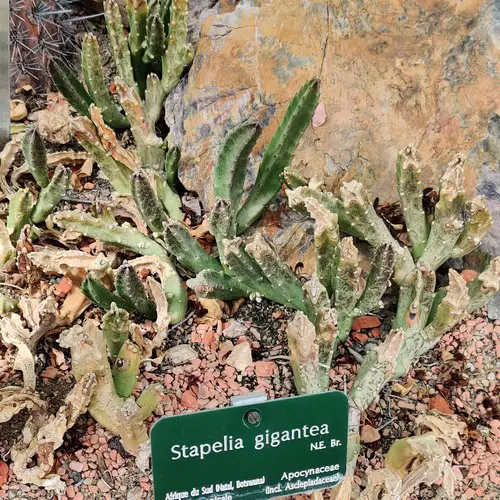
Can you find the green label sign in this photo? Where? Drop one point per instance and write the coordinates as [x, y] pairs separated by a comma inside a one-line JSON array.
[[264, 450]]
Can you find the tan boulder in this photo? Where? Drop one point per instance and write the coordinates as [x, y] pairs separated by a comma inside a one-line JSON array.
[[393, 73]]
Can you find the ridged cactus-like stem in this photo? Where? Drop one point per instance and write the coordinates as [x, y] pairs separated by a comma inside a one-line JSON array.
[[378, 367], [118, 42], [129, 287], [170, 200], [88, 355], [93, 76], [154, 97], [410, 195], [70, 86], [304, 355], [148, 204], [95, 291], [283, 280], [149, 399], [149, 145], [137, 11], [126, 369], [279, 153], [477, 224], [377, 281], [52, 194], [448, 221], [179, 52], [452, 308], [85, 133], [156, 40], [366, 221], [172, 158], [298, 196], [248, 272], [110, 234], [35, 156], [186, 249], [115, 328], [171, 284], [326, 242], [217, 285], [19, 213], [222, 224], [231, 168], [415, 301], [347, 287]]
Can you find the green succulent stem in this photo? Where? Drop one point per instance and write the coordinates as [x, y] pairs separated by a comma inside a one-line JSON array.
[[126, 369], [448, 223], [86, 134], [95, 291], [148, 204], [109, 233], [35, 156], [410, 195], [19, 213], [115, 327], [279, 153], [129, 287], [186, 249], [93, 76], [52, 194], [118, 42], [69, 85]]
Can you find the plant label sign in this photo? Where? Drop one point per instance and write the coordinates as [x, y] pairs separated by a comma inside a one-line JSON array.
[[264, 450]]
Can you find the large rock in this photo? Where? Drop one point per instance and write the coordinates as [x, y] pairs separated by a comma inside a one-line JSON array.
[[393, 73]]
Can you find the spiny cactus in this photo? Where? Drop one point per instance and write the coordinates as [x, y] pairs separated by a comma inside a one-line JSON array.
[[39, 32], [123, 417], [149, 62]]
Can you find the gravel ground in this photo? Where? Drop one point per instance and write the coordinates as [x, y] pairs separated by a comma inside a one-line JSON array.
[[459, 376]]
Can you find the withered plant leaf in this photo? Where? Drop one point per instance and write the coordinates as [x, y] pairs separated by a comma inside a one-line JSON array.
[[42, 442]]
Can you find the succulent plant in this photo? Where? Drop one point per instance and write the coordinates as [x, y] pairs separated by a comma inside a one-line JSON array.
[[339, 295], [129, 293], [241, 269], [23, 207], [424, 313], [110, 403], [159, 206], [149, 63]]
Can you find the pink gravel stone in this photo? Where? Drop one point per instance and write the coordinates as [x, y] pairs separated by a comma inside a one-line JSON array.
[[265, 368], [76, 466]]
